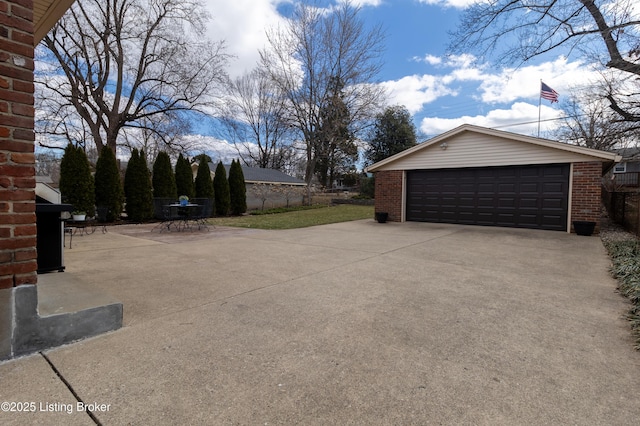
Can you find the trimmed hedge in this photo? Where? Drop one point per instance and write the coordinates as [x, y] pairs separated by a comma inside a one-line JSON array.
[[237, 189], [109, 191], [76, 182], [164, 181], [221, 191]]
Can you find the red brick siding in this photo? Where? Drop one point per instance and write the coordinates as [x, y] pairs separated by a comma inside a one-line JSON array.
[[17, 166], [586, 192], [389, 194]]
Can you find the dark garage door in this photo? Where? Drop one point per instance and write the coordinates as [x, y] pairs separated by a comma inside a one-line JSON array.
[[513, 196]]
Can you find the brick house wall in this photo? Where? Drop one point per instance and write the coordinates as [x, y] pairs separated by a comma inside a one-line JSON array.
[[17, 162], [586, 192], [388, 193]]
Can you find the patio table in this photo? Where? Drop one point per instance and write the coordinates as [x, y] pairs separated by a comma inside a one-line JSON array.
[[181, 214]]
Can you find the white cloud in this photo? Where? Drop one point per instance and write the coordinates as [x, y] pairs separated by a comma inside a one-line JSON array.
[[242, 24], [217, 149], [521, 117], [429, 59], [458, 4], [461, 77], [363, 3], [415, 91], [524, 82]]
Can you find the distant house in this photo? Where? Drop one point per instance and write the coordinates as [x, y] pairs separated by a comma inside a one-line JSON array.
[[627, 171], [272, 188]]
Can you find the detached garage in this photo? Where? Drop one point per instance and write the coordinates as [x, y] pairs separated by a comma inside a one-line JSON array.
[[478, 176]]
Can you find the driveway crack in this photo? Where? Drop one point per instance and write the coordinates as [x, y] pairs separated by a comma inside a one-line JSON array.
[[73, 392]]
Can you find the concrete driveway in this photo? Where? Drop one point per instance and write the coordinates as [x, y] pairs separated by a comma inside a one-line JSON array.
[[352, 323]]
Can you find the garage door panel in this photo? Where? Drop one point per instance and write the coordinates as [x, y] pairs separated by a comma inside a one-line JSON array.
[[507, 188], [517, 196], [529, 188]]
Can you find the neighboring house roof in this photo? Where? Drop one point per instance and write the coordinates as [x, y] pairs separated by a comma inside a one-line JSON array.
[[470, 146], [258, 175], [45, 15], [629, 154], [46, 191]]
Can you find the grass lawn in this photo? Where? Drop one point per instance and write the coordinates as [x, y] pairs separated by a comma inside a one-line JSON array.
[[298, 219]]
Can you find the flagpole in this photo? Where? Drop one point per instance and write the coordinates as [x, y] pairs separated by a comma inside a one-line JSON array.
[[539, 105]]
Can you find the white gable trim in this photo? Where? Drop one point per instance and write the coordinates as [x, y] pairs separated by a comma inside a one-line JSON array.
[[474, 146]]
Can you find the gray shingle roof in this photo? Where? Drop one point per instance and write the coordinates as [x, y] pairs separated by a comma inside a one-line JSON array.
[[256, 175], [629, 154]]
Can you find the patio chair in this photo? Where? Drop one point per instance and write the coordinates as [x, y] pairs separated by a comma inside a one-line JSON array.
[[102, 216], [163, 212], [203, 212]]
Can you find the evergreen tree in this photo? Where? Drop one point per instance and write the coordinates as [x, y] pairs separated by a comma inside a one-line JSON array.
[[393, 132], [203, 182], [109, 191], [164, 181], [184, 177], [137, 188], [76, 181], [237, 189], [221, 191]]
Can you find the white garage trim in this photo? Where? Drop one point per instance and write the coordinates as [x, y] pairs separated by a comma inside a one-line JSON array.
[[473, 146], [570, 198]]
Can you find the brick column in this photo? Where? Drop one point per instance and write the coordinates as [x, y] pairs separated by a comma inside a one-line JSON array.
[[388, 195], [17, 162], [586, 193]]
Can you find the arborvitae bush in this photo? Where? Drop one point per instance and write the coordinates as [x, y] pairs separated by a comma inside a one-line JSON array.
[[184, 177], [367, 187], [221, 191], [237, 189], [164, 181], [109, 191], [76, 181], [203, 183], [137, 188]]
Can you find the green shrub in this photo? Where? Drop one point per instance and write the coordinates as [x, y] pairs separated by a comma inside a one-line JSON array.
[[221, 191], [237, 189], [137, 188], [109, 191], [163, 180], [204, 183], [76, 182], [625, 256], [184, 177], [367, 187]]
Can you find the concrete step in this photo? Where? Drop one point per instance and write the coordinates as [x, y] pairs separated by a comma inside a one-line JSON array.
[[63, 292], [60, 309]]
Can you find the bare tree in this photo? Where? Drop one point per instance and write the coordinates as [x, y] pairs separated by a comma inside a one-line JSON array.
[[523, 30], [312, 50], [159, 133], [590, 123], [125, 63], [254, 120]]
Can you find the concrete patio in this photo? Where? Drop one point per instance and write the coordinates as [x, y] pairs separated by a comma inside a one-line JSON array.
[[352, 323]]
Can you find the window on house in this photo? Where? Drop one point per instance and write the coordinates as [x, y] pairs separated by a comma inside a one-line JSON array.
[[620, 168]]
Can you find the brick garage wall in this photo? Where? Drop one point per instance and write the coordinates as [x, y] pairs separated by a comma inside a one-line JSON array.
[[586, 192], [17, 163], [389, 193]]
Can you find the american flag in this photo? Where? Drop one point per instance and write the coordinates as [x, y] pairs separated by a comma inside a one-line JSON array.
[[548, 93]]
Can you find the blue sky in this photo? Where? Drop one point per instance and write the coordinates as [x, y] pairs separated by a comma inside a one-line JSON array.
[[441, 92]]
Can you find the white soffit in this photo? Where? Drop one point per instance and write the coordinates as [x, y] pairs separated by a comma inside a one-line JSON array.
[[473, 146]]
